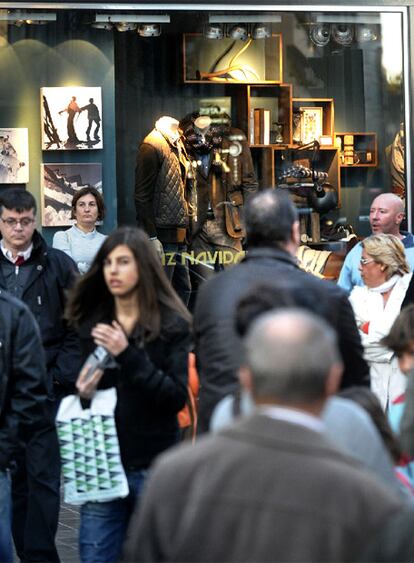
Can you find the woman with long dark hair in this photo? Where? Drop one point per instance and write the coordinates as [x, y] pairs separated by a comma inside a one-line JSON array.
[[126, 304]]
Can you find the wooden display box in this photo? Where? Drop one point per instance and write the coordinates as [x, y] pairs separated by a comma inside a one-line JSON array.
[[365, 151], [321, 110], [277, 100], [250, 62]]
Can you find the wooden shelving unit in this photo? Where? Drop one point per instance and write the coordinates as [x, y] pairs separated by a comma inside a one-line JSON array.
[[365, 150]]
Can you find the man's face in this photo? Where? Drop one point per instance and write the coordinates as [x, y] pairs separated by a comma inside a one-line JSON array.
[[17, 229], [385, 216]]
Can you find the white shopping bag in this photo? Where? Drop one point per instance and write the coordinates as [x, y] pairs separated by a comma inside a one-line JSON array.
[[89, 449]]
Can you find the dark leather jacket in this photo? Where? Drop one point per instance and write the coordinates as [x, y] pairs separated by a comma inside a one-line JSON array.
[[51, 275], [241, 178], [22, 376], [218, 348]]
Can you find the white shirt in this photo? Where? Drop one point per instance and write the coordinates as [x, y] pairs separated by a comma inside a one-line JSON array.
[[293, 416]]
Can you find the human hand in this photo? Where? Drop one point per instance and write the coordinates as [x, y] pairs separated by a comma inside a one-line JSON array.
[[87, 385], [112, 337]]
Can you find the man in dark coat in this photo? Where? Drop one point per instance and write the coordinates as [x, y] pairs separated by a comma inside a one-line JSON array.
[[272, 487], [273, 237], [39, 276], [22, 397]]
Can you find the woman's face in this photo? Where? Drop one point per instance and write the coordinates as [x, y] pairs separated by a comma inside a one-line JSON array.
[[121, 271], [86, 211], [372, 273]]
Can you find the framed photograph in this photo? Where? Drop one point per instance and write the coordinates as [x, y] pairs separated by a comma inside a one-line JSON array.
[[14, 156], [71, 118], [311, 125], [59, 183]]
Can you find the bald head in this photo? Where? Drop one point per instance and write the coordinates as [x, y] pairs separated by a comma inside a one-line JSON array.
[[386, 214], [290, 355]]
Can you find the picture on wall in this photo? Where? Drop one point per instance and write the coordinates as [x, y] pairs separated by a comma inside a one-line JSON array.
[[59, 183], [14, 156], [71, 118]]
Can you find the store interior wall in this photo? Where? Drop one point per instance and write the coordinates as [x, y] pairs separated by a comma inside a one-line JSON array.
[[64, 54]]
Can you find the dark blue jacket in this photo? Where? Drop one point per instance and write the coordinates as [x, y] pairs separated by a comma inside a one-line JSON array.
[[51, 275], [22, 376]]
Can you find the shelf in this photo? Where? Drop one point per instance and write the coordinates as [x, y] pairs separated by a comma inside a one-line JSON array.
[[275, 98], [364, 151], [320, 112], [230, 61]]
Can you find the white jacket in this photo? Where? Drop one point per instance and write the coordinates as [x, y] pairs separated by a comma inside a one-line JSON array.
[[386, 379]]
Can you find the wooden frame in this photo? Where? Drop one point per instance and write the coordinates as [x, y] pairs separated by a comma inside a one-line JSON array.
[[311, 123], [248, 62]]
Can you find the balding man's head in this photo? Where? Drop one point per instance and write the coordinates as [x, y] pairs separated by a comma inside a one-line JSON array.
[[386, 214], [270, 218], [290, 355]]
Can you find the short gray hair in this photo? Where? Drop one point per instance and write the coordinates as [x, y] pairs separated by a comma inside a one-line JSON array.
[[290, 354]]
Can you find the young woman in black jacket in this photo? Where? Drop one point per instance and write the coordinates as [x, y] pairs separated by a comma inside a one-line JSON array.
[[126, 304]]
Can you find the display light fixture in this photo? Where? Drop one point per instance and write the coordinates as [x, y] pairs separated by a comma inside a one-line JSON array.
[[21, 17], [147, 25], [149, 30], [238, 32], [364, 33], [342, 33], [320, 34], [261, 31], [213, 31], [125, 26]]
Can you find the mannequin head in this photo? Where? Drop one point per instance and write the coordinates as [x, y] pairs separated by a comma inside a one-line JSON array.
[[168, 126]]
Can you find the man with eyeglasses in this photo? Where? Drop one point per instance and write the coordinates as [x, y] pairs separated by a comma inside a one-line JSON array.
[[385, 216], [38, 275]]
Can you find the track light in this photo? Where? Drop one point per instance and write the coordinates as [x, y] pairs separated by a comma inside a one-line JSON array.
[[342, 33], [126, 26], [102, 25], [261, 31], [320, 34], [149, 30], [213, 31], [364, 33], [238, 32], [21, 17]]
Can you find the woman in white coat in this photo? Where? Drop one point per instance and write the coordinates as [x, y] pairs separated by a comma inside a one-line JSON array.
[[386, 275]]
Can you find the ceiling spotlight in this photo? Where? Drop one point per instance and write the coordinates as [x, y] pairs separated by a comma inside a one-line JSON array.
[[320, 34], [126, 26], [102, 25], [213, 31], [238, 32], [261, 31], [364, 33], [149, 30], [343, 33]]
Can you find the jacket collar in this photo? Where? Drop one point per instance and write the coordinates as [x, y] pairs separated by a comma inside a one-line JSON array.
[[271, 253]]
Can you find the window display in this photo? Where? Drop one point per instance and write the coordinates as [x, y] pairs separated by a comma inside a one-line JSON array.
[[14, 156]]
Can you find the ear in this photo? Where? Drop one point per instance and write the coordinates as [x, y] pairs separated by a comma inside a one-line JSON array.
[[333, 380], [295, 235], [245, 378], [399, 218]]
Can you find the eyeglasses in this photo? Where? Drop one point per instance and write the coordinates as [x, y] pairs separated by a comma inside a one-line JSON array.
[[365, 261], [12, 223]]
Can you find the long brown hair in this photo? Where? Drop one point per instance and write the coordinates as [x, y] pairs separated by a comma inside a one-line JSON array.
[[91, 298]]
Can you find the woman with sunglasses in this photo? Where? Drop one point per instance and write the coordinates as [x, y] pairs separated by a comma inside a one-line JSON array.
[[126, 304], [386, 276]]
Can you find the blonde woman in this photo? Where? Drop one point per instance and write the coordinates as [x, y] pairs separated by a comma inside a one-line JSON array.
[[386, 276]]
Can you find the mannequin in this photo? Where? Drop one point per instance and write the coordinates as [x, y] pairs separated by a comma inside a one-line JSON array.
[[224, 179], [161, 199]]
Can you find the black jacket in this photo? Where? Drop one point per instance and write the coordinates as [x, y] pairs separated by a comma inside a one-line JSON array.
[[218, 348], [22, 376], [151, 384], [44, 293]]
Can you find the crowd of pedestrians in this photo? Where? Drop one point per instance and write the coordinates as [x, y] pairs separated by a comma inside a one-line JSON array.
[[306, 400]]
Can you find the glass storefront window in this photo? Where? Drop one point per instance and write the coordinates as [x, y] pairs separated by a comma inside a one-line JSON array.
[[285, 78]]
